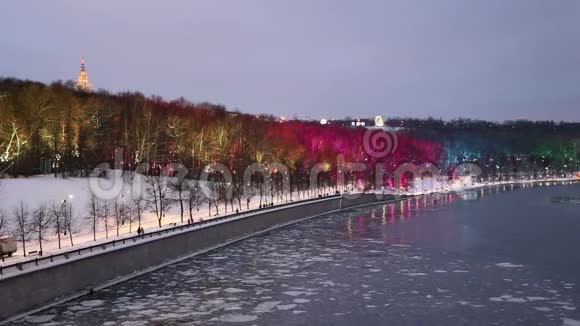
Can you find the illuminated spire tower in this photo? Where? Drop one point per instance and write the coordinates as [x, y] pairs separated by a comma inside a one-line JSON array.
[[83, 83]]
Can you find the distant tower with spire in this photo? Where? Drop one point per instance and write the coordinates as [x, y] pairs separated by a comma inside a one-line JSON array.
[[83, 83]]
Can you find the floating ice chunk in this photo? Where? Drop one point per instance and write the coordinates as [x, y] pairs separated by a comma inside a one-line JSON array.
[[508, 265], [237, 318], [543, 309], [202, 313], [415, 274], [460, 271], [294, 293], [92, 303], [328, 283], [570, 322], [211, 292], [562, 303], [215, 302], [170, 315], [506, 296], [516, 300], [283, 271], [147, 312], [286, 307], [258, 282], [298, 312], [219, 258], [132, 323], [234, 290], [302, 300], [39, 319], [134, 307], [374, 270], [536, 298], [439, 271], [266, 306]]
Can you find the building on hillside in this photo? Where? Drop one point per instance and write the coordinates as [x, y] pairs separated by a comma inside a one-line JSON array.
[[83, 83]]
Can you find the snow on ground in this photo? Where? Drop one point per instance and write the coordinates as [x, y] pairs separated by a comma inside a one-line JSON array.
[[47, 190]]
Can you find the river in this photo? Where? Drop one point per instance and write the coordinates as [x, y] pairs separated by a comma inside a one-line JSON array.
[[503, 255]]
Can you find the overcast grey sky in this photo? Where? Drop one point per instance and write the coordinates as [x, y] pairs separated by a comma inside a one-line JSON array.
[[488, 59]]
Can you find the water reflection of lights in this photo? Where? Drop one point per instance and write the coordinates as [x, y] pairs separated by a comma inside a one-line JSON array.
[[349, 227], [468, 195], [404, 209]]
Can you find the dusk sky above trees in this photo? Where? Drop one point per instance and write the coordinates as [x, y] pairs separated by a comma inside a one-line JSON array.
[[494, 60]]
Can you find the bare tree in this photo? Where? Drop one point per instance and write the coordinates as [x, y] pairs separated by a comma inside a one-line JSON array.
[[41, 222], [139, 206], [67, 222], [93, 214], [120, 213], [129, 215], [57, 213], [104, 215], [158, 196], [153, 196], [195, 196], [178, 185], [214, 196], [3, 223], [22, 228]]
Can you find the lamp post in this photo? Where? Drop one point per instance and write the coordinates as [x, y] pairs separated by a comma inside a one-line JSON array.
[[58, 221]]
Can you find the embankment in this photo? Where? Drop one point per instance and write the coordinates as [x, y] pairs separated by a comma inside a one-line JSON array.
[[40, 286]]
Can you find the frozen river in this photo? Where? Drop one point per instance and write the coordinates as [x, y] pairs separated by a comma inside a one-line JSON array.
[[482, 257]]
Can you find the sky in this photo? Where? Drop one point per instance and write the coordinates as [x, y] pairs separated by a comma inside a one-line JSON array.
[[482, 59]]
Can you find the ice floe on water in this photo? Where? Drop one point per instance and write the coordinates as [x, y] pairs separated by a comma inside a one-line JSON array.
[[308, 275], [237, 318], [39, 319], [266, 306], [508, 265], [286, 307], [570, 322], [92, 303], [543, 309]]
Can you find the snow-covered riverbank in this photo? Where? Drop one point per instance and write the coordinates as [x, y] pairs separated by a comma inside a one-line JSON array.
[[47, 190]]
